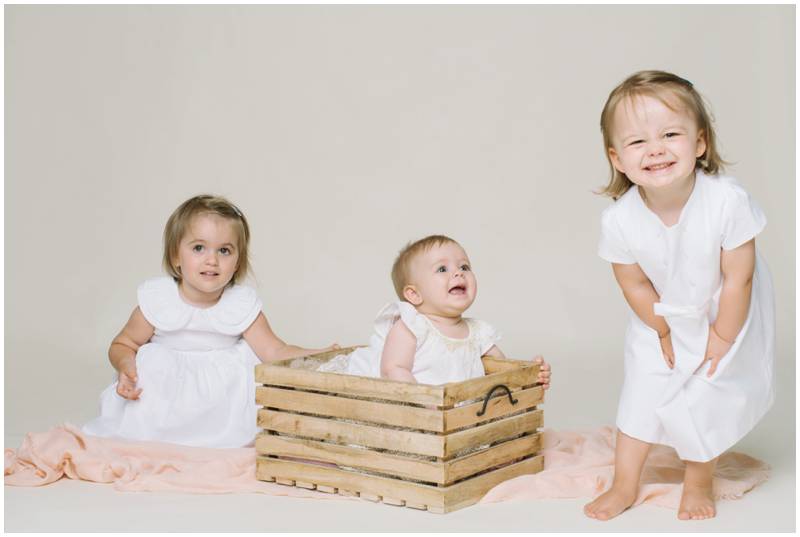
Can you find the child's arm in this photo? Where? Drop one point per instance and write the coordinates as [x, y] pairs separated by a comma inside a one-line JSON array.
[[122, 353], [397, 358], [641, 295], [544, 367], [734, 301], [269, 347]]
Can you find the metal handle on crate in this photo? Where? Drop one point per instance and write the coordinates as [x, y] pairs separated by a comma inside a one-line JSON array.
[[513, 401]]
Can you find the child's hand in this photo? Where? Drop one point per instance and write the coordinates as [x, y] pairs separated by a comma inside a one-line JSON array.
[[544, 372], [126, 383], [715, 349], [666, 349]]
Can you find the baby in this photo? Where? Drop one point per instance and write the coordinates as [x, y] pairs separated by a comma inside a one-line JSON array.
[[423, 337]]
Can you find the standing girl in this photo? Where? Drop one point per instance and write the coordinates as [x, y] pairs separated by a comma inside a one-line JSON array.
[[681, 239], [187, 354]]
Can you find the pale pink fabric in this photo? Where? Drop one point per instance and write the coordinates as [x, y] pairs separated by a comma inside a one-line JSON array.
[[577, 464], [581, 465], [137, 466]]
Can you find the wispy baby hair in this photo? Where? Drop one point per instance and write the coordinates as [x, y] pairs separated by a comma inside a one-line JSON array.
[[675, 93], [180, 220], [402, 264]]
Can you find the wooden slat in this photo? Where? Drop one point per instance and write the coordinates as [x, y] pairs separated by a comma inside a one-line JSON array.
[[368, 485], [404, 467], [391, 390], [342, 407], [477, 388], [492, 432], [456, 418], [489, 458], [470, 491], [352, 433], [320, 356], [493, 365]]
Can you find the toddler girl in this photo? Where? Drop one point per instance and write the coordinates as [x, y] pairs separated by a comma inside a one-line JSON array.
[[699, 346], [423, 336], [185, 359]]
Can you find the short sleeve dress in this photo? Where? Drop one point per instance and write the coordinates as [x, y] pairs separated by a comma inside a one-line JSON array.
[[439, 359], [196, 373], [681, 407]]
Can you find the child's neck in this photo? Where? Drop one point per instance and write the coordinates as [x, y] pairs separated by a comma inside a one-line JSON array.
[[668, 203], [450, 326]]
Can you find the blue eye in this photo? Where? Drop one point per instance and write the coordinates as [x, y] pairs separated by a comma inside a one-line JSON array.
[[197, 248], [441, 269]]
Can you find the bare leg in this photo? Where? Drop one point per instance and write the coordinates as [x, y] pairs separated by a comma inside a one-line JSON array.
[[629, 458], [697, 501]]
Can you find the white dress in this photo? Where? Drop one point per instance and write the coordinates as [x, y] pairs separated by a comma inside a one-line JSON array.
[[438, 359], [699, 416], [196, 373]]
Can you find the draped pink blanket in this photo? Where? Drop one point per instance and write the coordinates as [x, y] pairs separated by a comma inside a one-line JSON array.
[[581, 465], [137, 466], [577, 464]]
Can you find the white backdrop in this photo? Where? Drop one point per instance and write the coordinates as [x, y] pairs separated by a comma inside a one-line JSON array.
[[343, 132]]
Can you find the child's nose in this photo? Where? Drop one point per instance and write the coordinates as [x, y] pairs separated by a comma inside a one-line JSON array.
[[655, 147]]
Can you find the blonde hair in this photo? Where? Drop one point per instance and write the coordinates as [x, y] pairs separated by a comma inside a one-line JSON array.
[[402, 264], [180, 220], [662, 86]]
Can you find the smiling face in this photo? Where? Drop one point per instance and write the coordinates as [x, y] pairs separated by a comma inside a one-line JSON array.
[[656, 146], [441, 281], [207, 258]]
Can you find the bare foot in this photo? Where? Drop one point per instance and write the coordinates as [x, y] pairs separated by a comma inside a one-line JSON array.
[[697, 503], [611, 503]]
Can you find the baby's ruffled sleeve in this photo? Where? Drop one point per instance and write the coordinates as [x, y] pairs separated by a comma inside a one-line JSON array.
[[486, 335], [405, 312], [236, 310], [612, 245], [743, 219]]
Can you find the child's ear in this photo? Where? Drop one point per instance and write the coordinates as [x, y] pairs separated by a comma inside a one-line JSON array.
[[411, 295], [702, 145], [614, 158]]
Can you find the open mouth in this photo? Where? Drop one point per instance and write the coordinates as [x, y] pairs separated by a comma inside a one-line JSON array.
[[208, 273], [659, 167], [458, 290]]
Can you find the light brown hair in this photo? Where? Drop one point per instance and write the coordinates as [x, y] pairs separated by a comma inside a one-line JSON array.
[[402, 264], [180, 220], [673, 91]]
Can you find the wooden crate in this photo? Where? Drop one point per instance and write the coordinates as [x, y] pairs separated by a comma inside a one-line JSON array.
[[438, 448]]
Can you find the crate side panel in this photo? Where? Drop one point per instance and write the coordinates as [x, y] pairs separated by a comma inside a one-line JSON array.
[[341, 432], [355, 409], [474, 463], [456, 418], [415, 493], [404, 467], [493, 432]]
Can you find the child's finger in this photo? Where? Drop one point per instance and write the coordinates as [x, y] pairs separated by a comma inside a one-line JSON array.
[[713, 368]]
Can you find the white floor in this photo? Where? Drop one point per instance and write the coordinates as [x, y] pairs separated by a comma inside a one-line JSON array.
[[80, 506]]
